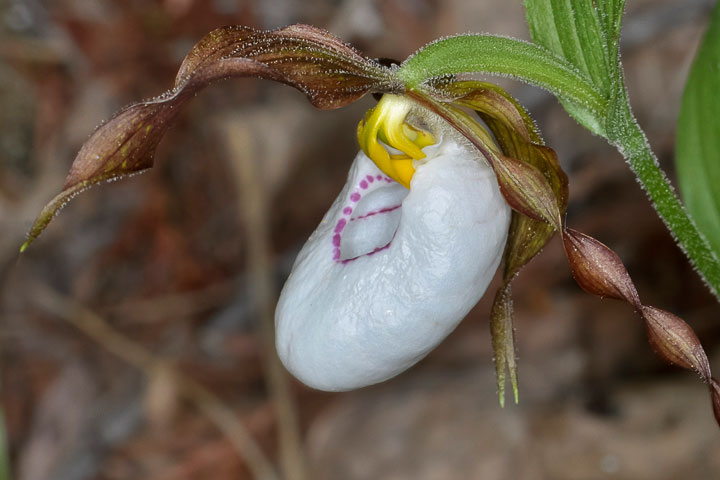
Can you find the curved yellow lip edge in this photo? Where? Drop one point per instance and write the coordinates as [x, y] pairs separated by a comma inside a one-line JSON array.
[[386, 122]]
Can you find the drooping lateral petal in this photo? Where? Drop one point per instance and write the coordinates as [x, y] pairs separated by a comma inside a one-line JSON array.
[[531, 181], [523, 185], [518, 137], [529, 193], [503, 341], [330, 73]]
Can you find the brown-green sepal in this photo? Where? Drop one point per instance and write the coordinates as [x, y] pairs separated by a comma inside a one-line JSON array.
[[519, 138], [529, 178], [330, 73], [503, 342]]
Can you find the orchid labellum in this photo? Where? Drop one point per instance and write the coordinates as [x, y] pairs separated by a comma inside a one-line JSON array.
[[452, 179], [391, 271]]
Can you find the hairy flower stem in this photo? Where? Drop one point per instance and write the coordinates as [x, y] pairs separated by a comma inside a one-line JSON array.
[[627, 136]]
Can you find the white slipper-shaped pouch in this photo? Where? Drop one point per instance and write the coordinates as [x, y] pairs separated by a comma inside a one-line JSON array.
[[390, 272]]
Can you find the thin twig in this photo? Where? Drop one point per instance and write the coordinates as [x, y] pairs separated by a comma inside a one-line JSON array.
[[136, 355], [254, 206], [173, 305]]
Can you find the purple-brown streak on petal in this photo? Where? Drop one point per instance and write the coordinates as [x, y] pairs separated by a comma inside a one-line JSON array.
[[330, 73]]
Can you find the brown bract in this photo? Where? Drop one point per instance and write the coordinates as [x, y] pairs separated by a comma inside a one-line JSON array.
[[330, 73], [675, 341], [597, 269]]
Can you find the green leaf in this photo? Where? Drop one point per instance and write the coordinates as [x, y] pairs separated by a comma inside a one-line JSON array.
[[585, 33], [572, 30], [569, 29], [697, 149], [502, 56], [610, 15]]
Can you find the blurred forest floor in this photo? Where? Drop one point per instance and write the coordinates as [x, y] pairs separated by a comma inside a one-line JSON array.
[[129, 331]]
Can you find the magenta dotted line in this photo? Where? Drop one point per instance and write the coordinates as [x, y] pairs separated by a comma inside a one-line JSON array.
[[347, 211]]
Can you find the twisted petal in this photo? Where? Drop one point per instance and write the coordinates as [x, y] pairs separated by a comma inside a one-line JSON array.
[[389, 272], [530, 179], [330, 73]]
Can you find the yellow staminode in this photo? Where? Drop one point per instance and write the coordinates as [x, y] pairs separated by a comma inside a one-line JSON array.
[[386, 123]]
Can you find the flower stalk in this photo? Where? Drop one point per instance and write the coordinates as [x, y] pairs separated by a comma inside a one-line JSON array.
[[630, 140]]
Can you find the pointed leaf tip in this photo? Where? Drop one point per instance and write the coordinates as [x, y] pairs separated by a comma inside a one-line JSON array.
[[503, 342], [715, 395], [518, 137], [527, 190]]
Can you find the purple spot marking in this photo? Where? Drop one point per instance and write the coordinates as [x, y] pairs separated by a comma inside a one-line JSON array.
[[336, 240], [363, 185], [355, 197], [336, 254], [379, 177], [340, 225], [370, 178], [347, 210], [388, 179]]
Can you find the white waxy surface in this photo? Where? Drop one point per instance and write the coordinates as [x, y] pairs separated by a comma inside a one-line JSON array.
[[349, 318]]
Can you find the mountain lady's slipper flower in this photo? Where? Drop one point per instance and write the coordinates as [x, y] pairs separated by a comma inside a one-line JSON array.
[[390, 271], [431, 206]]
